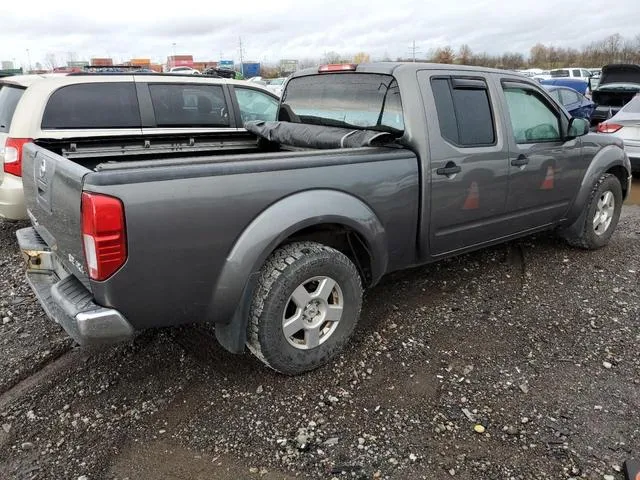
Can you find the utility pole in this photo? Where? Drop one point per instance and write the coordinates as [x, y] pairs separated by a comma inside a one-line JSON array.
[[413, 49], [241, 50]]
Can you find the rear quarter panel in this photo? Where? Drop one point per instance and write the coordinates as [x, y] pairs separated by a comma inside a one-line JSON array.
[[182, 222]]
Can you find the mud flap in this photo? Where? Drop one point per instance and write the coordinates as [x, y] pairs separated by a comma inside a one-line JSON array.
[[233, 335]]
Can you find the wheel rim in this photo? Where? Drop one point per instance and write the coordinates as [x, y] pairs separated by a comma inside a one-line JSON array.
[[604, 213], [312, 312]]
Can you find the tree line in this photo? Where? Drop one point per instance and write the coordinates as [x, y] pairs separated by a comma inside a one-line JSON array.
[[612, 49]]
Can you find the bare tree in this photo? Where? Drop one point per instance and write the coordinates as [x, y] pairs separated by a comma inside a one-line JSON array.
[[332, 57], [361, 57], [50, 60], [465, 55], [444, 55]]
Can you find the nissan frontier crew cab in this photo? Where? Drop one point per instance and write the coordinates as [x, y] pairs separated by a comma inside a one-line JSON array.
[[368, 169]]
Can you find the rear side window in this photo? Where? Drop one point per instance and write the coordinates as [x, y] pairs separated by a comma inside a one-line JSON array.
[[93, 105], [189, 105], [576, 72], [464, 111], [9, 97], [569, 96]]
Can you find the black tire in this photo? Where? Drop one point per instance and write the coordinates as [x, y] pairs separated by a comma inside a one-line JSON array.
[[288, 268], [585, 236]]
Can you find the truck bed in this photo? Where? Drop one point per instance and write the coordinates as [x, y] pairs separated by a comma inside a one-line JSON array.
[[185, 214]]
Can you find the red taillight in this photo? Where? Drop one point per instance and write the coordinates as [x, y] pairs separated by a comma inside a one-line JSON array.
[[103, 234], [13, 155], [338, 67], [608, 127]]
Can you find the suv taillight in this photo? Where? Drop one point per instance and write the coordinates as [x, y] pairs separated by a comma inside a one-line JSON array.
[[103, 234], [13, 155]]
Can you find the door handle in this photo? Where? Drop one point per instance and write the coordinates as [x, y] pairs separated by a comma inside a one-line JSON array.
[[449, 169], [521, 161]]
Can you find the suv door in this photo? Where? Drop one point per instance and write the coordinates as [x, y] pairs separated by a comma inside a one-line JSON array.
[[543, 167], [254, 104], [467, 160]]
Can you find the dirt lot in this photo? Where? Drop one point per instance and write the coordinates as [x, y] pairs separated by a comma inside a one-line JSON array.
[[534, 341]]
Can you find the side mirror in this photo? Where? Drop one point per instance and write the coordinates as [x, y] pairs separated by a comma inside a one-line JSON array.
[[577, 127]]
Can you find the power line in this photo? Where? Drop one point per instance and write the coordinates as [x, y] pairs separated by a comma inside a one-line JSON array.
[[413, 49]]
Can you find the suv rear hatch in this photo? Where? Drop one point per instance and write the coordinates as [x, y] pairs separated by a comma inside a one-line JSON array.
[[618, 85]]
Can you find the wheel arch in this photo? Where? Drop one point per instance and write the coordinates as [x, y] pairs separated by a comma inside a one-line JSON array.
[[311, 215]]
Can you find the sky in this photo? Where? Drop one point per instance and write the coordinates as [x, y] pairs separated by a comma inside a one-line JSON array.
[[275, 29]]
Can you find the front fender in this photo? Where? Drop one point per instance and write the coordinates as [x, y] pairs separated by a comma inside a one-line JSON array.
[[231, 298], [606, 158]]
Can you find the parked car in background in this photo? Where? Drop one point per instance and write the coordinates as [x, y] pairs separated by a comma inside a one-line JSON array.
[[578, 84], [573, 72], [575, 103], [258, 80], [544, 75], [184, 70], [626, 125], [619, 83], [276, 85], [69, 112]]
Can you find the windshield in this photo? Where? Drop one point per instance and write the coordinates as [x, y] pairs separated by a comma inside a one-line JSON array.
[[559, 73], [352, 100], [9, 97]]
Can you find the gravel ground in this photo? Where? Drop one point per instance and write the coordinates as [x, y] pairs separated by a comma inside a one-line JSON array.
[[519, 361]]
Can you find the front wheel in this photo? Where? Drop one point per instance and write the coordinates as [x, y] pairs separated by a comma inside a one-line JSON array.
[[602, 214], [305, 307]]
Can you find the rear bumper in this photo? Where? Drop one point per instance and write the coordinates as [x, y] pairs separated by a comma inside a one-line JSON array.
[[12, 205], [65, 299]]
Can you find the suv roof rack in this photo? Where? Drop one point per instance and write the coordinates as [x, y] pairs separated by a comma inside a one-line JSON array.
[[166, 74]]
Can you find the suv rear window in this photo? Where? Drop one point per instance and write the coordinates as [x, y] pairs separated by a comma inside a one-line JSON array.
[[9, 97], [93, 105], [352, 100], [181, 105], [559, 73]]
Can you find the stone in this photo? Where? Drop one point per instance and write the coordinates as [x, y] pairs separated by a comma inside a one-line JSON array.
[[6, 427], [479, 428], [331, 441], [5, 320], [607, 365], [259, 390], [27, 445], [413, 457]]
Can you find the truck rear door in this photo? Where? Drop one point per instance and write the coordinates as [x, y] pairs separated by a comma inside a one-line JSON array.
[[468, 161]]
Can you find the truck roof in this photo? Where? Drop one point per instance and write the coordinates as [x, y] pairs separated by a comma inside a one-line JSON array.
[[390, 68]]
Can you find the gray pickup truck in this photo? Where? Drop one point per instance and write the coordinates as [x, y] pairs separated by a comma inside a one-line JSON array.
[[369, 169]]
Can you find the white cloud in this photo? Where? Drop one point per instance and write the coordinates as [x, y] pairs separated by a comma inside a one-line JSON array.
[[301, 29]]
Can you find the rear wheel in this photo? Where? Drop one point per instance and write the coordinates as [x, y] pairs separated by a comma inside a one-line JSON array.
[[602, 214], [305, 308]]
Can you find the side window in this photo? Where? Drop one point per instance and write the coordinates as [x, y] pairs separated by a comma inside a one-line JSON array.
[[586, 73], [569, 96], [576, 72], [189, 105], [531, 118], [93, 105], [464, 111], [255, 105], [555, 94]]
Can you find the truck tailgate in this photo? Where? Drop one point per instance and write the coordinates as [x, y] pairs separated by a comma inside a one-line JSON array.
[[53, 192]]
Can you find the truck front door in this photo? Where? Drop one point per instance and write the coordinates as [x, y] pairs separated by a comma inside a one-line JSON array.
[[544, 167]]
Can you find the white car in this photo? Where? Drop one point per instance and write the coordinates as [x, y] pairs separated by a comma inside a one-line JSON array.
[[187, 70], [156, 113], [276, 85], [573, 72], [626, 125]]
